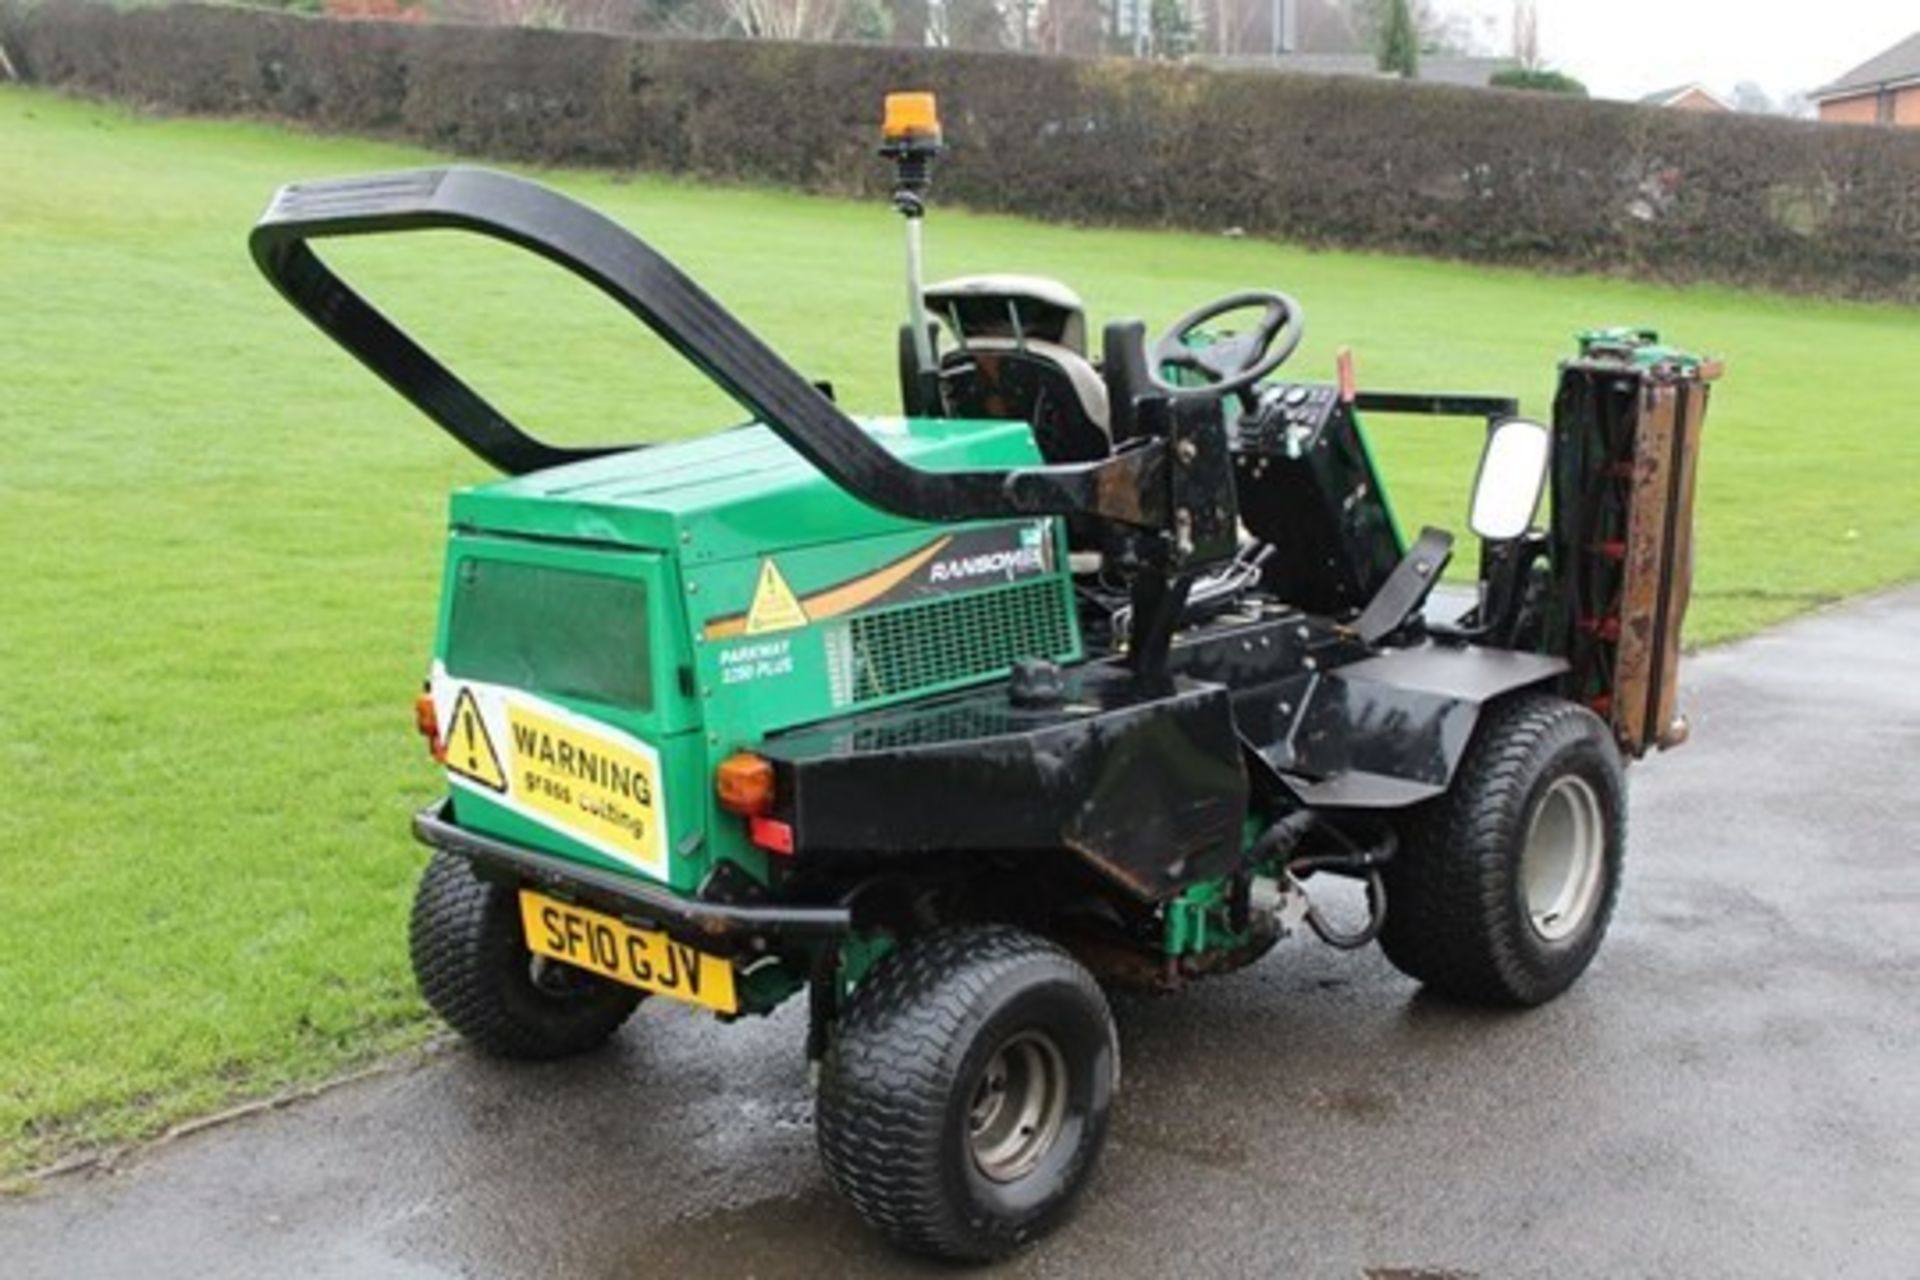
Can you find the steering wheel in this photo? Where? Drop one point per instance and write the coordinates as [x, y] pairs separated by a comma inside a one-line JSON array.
[[1233, 363]]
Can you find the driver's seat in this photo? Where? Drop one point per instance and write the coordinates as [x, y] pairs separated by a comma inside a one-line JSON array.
[[1022, 353]]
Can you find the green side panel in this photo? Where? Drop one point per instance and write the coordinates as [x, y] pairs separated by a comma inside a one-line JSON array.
[[1380, 487]]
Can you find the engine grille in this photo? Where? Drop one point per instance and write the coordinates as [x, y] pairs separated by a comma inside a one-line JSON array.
[[957, 638]]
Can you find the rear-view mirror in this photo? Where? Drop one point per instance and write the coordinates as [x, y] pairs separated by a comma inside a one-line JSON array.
[[1513, 474]]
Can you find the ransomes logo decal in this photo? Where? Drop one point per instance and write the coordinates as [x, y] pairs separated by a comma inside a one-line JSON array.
[[1009, 564], [1005, 553]]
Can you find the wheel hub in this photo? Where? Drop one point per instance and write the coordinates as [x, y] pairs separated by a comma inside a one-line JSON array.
[[1563, 865], [553, 979], [1018, 1107]]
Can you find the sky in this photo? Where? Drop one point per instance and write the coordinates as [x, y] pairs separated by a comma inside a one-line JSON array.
[[1627, 48]]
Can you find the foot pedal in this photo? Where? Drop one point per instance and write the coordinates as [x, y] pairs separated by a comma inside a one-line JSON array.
[[1407, 587]]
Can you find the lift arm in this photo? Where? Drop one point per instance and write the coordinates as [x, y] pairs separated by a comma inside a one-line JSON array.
[[1131, 488]]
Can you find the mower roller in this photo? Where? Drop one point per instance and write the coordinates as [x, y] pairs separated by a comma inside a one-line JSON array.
[[1080, 674]]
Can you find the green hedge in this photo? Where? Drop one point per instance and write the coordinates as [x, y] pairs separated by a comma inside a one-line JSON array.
[[1537, 80], [1485, 175]]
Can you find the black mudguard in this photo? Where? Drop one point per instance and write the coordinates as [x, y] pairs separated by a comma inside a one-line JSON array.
[[1145, 782], [1331, 722], [1390, 730]]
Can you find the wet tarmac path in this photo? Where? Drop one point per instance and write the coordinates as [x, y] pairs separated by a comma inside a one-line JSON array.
[[1734, 1090]]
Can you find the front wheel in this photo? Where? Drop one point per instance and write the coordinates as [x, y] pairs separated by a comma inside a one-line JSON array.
[[965, 1096], [1503, 887]]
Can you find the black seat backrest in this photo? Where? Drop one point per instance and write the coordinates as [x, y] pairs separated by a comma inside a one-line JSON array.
[[1034, 383]]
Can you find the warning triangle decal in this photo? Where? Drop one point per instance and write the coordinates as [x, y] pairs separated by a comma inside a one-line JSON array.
[[469, 750], [775, 607]]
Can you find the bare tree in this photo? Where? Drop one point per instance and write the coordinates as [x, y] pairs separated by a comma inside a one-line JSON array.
[[1437, 29], [783, 19], [698, 18], [1460, 32], [910, 23], [1070, 26], [975, 24], [1325, 26], [1228, 25], [1526, 34]]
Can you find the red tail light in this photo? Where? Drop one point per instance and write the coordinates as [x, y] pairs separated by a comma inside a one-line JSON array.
[[771, 834]]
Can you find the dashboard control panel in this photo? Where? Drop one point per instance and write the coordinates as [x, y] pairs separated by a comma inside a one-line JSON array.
[[1287, 420]]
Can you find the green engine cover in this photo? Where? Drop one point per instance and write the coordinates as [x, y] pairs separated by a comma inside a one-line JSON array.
[[610, 630]]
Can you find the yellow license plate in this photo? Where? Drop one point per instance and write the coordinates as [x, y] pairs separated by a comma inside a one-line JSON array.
[[643, 958]]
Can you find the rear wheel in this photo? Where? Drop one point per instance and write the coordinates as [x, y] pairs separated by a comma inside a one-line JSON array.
[[1503, 888], [965, 1097], [473, 967]]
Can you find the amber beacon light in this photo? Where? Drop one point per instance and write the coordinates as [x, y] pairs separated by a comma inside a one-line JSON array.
[[911, 119]]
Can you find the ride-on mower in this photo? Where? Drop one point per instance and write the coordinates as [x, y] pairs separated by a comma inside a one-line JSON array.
[[1076, 676]]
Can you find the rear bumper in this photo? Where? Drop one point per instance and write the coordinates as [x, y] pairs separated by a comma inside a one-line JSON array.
[[433, 826]]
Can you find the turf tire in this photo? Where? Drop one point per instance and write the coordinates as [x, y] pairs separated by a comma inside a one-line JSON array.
[[1457, 915], [474, 969], [898, 1089]]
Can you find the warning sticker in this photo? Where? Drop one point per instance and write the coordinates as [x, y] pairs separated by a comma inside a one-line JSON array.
[[775, 607], [469, 750], [584, 783], [584, 779]]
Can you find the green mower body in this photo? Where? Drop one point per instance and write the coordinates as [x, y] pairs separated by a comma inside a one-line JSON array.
[[715, 591]]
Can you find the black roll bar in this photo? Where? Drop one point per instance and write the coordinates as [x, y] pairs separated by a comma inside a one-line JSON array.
[[1128, 487]]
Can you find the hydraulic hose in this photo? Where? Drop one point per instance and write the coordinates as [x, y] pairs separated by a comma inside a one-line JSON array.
[[1285, 835], [1352, 941]]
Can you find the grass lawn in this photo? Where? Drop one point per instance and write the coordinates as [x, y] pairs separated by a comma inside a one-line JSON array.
[[223, 539]]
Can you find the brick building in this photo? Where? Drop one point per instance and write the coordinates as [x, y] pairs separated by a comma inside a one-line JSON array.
[[1881, 90]]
